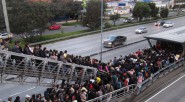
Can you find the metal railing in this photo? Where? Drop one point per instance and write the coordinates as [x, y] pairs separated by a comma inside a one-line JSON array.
[[116, 96], [25, 66], [123, 93], [161, 72]]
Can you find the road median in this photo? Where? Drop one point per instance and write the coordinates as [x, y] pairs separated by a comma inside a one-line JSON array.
[[87, 32]]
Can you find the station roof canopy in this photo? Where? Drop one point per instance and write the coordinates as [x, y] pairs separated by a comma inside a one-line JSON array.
[[174, 35]]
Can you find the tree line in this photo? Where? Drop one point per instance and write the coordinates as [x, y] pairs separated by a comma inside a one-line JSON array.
[[144, 10], [25, 16]]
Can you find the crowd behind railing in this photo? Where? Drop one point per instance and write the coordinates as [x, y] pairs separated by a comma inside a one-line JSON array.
[[120, 72]]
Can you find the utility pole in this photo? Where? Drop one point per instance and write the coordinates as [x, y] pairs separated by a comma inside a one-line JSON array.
[[101, 29], [5, 16]]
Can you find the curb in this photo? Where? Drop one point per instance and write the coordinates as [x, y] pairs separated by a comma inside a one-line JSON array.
[[98, 31], [94, 54]]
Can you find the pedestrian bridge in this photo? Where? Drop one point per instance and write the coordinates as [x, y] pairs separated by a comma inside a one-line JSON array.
[[21, 68]]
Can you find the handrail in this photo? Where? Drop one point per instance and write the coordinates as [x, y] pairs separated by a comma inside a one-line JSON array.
[[41, 69], [112, 95], [161, 72]]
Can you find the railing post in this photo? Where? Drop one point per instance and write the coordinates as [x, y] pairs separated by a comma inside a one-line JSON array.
[[71, 74], [84, 71], [42, 72], [4, 67], [58, 71]]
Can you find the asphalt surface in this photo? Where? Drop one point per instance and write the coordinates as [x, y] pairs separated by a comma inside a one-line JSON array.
[[174, 92], [88, 45], [13, 90], [168, 88]]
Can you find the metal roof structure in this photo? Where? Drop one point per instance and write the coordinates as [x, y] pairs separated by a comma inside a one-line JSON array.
[[174, 35]]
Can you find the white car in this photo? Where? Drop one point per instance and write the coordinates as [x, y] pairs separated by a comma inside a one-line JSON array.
[[183, 10], [141, 30], [5, 35], [168, 24]]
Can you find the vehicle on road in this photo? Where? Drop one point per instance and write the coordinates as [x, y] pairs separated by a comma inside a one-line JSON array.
[[168, 24], [6, 35], [141, 30], [128, 20], [159, 23], [183, 10], [54, 27], [114, 40]]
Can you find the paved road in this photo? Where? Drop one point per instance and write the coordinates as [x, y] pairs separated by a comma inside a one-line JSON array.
[[91, 44], [173, 92], [7, 90]]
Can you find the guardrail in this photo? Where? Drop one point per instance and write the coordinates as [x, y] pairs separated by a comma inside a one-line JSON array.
[[161, 72], [121, 94], [26, 66], [117, 95]]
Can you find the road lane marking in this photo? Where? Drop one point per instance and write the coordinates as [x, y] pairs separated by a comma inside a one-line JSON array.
[[18, 93], [164, 89], [23, 91]]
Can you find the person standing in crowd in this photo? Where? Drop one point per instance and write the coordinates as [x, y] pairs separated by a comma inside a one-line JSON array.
[[36, 51], [27, 98], [28, 50], [139, 82], [9, 99], [42, 53], [17, 99], [53, 56], [32, 98], [65, 54], [83, 94], [17, 48]]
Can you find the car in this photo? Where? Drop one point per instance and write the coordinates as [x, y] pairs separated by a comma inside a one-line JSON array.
[[54, 27], [159, 23], [128, 20], [183, 10], [114, 40], [34, 32], [6, 35], [168, 24], [141, 30]]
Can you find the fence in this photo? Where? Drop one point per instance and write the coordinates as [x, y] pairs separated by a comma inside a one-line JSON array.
[[122, 94], [117, 95], [162, 72], [31, 69]]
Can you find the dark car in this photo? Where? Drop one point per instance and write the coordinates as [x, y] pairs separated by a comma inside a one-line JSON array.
[[159, 23], [114, 40], [128, 20]]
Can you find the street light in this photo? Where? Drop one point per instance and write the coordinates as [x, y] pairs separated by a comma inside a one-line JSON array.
[[5, 16], [101, 29]]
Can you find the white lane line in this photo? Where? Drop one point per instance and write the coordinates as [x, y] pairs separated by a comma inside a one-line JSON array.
[[19, 93], [23, 91], [164, 88]]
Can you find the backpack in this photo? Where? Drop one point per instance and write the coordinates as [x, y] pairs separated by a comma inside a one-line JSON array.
[[146, 74]]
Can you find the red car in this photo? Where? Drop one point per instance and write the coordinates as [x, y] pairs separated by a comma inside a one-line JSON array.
[[54, 27]]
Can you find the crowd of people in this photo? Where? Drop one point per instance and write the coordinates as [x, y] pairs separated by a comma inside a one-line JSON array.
[[120, 72]]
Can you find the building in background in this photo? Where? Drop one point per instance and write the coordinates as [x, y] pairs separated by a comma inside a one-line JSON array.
[[120, 7]]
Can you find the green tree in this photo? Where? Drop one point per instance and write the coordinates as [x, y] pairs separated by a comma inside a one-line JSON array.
[[74, 8], [92, 17], [164, 12], [24, 17], [114, 18], [141, 10], [154, 10]]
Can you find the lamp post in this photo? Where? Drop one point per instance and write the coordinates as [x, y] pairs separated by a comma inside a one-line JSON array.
[[101, 29], [5, 16]]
